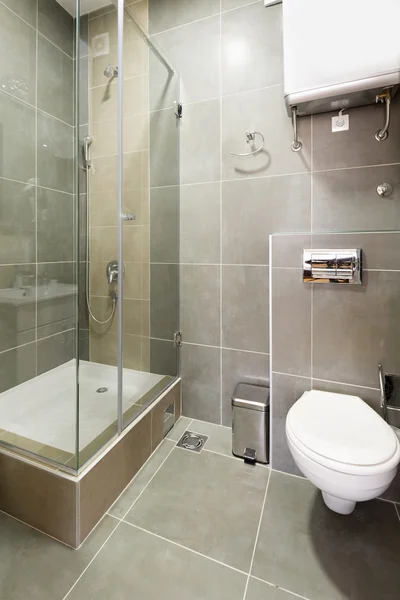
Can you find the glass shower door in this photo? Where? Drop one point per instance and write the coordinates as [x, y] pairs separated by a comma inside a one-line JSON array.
[[150, 216]]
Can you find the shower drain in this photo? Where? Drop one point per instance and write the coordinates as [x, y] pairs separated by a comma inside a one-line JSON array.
[[192, 441], [102, 390]]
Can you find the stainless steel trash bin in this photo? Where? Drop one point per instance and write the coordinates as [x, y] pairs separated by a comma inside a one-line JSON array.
[[250, 423]]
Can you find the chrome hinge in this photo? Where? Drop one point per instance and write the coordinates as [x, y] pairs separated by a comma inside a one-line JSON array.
[[178, 339], [178, 109]]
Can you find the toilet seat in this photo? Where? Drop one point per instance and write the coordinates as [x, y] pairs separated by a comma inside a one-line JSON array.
[[342, 433]]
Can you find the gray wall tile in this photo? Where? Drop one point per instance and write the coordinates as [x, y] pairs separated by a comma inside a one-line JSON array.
[[17, 123], [200, 143], [346, 200], [358, 146], [264, 111], [55, 226], [164, 148], [18, 227], [197, 63], [245, 301], [286, 391], [200, 291], [54, 351], [17, 366], [287, 250], [55, 23], [18, 54], [24, 8], [164, 224], [201, 378], [237, 367], [363, 329], [251, 209], [53, 308], [230, 4], [164, 304], [164, 86], [291, 322], [55, 81], [163, 358], [164, 15], [380, 250], [200, 223], [17, 318], [256, 60], [54, 154]]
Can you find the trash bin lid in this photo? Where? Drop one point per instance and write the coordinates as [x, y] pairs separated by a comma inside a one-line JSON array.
[[254, 397]]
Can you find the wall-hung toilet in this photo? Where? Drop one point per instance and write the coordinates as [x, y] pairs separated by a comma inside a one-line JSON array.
[[343, 447]]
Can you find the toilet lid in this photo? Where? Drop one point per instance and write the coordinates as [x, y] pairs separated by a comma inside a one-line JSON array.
[[341, 428]]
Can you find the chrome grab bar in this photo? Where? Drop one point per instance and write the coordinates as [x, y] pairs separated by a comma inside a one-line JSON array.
[[250, 137], [386, 97]]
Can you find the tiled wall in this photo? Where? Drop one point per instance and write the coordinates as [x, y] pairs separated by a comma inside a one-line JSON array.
[[102, 126], [36, 189], [230, 60]]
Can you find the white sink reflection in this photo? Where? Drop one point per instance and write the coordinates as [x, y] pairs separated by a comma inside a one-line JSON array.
[[27, 294]]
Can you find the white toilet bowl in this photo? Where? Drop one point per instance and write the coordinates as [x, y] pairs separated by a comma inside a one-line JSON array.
[[343, 447]]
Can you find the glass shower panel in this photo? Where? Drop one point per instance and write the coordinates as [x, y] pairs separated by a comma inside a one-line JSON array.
[[98, 249], [37, 274], [151, 216]]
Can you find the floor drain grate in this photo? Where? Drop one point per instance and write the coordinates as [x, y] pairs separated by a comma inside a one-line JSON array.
[[192, 441], [102, 390]]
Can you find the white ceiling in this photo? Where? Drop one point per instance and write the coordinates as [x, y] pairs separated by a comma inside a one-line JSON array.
[[86, 5]]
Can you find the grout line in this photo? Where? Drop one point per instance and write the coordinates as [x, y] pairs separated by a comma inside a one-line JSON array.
[[270, 349], [224, 348], [228, 10], [220, 222], [35, 528], [364, 387], [156, 33], [311, 228], [397, 510], [94, 557], [36, 189], [231, 456], [147, 484], [279, 587], [257, 535], [160, 537]]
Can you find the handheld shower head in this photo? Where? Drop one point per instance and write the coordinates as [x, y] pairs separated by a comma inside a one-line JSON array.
[[110, 72]]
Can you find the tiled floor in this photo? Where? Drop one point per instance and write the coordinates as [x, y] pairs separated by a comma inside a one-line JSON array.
[[207, 527]]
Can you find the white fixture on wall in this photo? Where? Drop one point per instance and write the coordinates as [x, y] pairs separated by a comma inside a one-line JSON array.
[[339, 54]]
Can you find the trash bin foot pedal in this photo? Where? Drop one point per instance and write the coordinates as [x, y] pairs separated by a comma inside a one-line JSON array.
[[249, 456]]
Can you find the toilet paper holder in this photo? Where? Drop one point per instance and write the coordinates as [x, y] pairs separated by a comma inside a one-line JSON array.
[[389, 385]]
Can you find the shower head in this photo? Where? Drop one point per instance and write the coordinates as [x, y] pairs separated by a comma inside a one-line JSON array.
[[110, 72]]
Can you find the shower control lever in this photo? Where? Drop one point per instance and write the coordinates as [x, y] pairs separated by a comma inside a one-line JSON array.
[[112, 271]]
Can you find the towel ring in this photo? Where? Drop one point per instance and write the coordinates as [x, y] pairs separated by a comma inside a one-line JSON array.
[[250, 137]]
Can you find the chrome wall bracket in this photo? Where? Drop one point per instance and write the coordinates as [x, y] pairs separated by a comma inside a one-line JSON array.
[[296, 144], [178, 339], [385, 97], [178, 109], [384, 190], [332, 266]]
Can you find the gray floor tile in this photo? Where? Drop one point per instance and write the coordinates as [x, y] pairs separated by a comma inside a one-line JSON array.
[[179, 428], [308, 549], [37, 567], [139, 482], [218, 502], [136, 564], [258, 590], [220, 438]]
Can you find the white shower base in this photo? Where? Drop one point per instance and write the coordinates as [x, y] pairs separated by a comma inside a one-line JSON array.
[[44, 409]]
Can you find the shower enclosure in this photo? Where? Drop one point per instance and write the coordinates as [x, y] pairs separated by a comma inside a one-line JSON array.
[[89, 252]]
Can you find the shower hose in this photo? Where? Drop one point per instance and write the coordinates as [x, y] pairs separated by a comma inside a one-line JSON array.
[[113, 295]]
